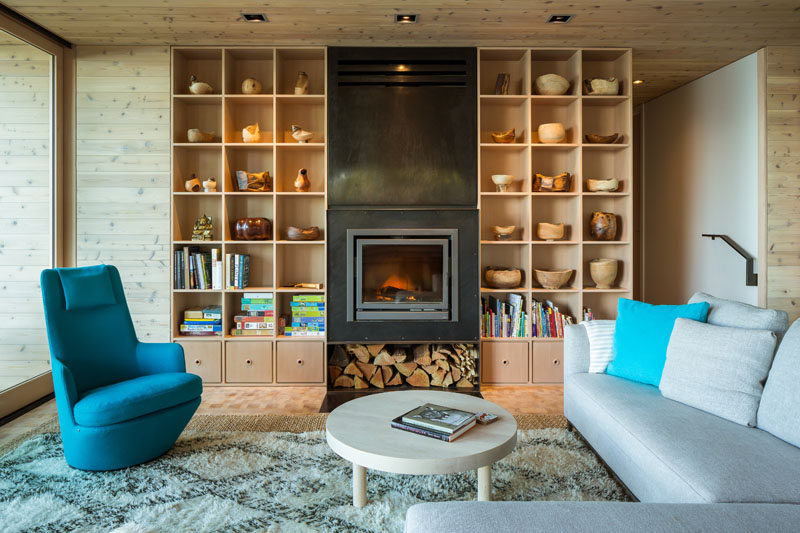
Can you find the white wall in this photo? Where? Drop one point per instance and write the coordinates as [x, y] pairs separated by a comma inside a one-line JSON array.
[[701, 176]]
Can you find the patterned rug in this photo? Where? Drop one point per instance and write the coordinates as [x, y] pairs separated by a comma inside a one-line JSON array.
[[262, 473]]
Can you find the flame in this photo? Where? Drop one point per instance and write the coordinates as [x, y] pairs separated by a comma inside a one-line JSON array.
[[402, 283]]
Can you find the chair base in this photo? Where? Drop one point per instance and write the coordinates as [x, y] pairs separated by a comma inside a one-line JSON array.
[[128, 443]]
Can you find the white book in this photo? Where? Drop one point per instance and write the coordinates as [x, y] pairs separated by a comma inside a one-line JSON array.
[[218, 276], [228, 278]]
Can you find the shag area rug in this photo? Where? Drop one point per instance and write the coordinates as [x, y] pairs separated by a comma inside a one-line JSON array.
[[271, 473]]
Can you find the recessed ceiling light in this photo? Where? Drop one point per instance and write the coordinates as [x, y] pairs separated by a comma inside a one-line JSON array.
[[559, 19], [254, 17], [638, 82], [406, 19]]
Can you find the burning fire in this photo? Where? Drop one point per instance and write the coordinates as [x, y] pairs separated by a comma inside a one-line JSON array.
[[396, 285], [402, 283]]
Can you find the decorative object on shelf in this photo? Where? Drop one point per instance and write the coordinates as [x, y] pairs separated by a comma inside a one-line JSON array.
[[552, 133], [560, 183], [192, 184], [502, 277], [300, 135], [251, 86], [551, 85], [501, 85], [210, 185], [504, 137], [202, 229], [550, 232], [302, 183], [301, 83], [601, 86], [502, 181], [196, 135], [253, 229], [251, 133], [603, 272], [606, 185], [593, 138], [552, 279], [199, 87], [302, 234], [503, 233], [306, 285], [253, 181], [603, 226]]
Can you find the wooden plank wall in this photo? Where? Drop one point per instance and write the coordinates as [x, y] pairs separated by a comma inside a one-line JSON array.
[[783, 179], [25, 239], [123, 173]]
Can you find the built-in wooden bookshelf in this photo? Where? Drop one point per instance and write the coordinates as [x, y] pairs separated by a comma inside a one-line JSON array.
[[275, 264], [539, 360]]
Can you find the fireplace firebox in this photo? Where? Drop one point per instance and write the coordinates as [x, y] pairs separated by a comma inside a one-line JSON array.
[[402, 274]]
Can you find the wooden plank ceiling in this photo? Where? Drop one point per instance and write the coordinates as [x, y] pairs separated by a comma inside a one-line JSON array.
[[674, 41]]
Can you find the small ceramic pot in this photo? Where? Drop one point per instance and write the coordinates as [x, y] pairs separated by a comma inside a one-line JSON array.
[[601, 86], [552, 133], [251, 86], [503, 233], [603, 272], [603, 226], [196, 135], [199, 87], [609, 185], [192, 184], [300, 135], [502, 181], [551, 84], [549, 232], [210, 185], [301, 83], [251, 133], [253, 229], [502, 278], [302, 183], [552, 279], [504, 137]]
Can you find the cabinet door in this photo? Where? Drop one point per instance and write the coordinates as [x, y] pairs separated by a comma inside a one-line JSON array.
[[300, 362], [204, 359], [248, 362], [504, 362], [548, 359]]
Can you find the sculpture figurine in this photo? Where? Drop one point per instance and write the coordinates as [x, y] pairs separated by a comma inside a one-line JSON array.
[[302, 184], [253, 181], [301, 84], [199, 87], [251, 86], [251, 133], [202, 229], [300, 135], [192, 184], [210, 185]]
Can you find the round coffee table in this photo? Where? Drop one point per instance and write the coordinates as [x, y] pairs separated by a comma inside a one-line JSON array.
[[360, 431]]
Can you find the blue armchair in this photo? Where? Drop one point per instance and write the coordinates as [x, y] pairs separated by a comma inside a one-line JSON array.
[[120, 402]]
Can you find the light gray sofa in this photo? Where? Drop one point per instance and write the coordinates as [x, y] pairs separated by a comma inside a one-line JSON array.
[[692, 470]]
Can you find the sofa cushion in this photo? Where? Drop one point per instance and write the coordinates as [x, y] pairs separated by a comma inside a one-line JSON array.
[[665, 451], [732, 314], [716, 369], [601, 343], [137, 397], [642, 335], [779, 412], [86, 287]]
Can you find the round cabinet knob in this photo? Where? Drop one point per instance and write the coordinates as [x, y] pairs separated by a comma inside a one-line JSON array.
[[556, 362], [299, 362], [505, 362], [248, 361], [197, 362]]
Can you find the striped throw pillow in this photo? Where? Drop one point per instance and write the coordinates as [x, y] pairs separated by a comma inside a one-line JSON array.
[[601, 344]]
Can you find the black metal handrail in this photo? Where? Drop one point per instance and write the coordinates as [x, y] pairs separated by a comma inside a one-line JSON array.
[[751, 278]]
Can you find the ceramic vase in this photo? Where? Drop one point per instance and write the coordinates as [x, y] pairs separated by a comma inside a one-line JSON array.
[[302, 183], [603, 226], [603, 272]]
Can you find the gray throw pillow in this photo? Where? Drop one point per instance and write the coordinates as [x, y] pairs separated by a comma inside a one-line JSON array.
[[717, 369], [779, 412], [733, 314]]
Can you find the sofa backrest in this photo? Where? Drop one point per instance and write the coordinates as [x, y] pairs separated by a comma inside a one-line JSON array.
[[779, 411]]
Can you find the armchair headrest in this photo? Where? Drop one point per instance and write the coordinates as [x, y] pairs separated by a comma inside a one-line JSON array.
[[86, 287]]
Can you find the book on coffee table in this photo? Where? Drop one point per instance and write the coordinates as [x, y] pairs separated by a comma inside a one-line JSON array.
[[399, 424], [438, 418]]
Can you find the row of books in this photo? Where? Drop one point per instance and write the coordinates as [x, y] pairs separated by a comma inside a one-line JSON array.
[[308, 316], [438, 422], [587, 314], [257, 316], [504, 319], [194, 269], [548, 321], [202, 321]]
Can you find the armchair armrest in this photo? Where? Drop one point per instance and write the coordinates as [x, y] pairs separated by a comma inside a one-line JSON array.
[[66, 392], [576, 350], [160, 357]]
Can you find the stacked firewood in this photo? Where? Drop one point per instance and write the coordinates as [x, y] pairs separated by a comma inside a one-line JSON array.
[[385, 365]]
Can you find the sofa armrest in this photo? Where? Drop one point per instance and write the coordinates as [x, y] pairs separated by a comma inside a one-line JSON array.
[[576, 350], [160, 357]]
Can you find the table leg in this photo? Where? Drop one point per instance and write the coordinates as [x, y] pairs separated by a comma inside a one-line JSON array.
[[485, 483], [359, 486]]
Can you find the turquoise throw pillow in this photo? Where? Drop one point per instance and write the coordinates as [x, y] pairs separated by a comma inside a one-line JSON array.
[[642, 336]]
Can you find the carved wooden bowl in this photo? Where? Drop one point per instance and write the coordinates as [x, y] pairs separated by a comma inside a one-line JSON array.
[[253, 229], [552, 279], [560, 183], [593, 138], [302, 234], [502, 278]]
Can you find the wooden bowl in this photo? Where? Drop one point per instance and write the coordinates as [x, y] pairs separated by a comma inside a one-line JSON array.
[[503, 233], [502, 278], [502, 181], [593, 138], [552, 133], [552, 279], [504, 137], [560, 183], [549, 232], [551, 84], [198, 136], [302, 234], [609, 185], [603, 272]]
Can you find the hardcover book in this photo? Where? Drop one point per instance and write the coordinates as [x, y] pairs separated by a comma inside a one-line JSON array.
[[438, 418], [397, 423]]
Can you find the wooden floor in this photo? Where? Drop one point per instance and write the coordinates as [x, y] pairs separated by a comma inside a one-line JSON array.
[[541, 399]]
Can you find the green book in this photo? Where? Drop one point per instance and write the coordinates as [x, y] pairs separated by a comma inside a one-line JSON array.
[[308, 298]]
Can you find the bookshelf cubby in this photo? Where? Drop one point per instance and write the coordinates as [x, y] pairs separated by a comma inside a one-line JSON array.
[[274, 263], [538, 360]]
